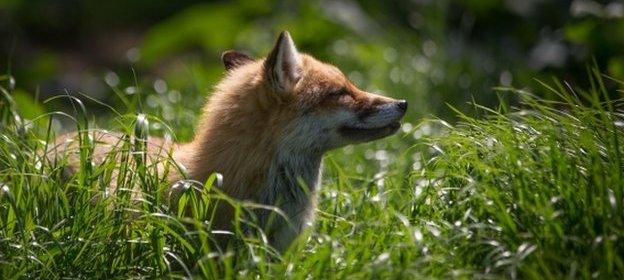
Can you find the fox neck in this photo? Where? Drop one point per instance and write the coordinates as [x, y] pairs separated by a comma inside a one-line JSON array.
[[291, 185], [292, 179], [253, 164]]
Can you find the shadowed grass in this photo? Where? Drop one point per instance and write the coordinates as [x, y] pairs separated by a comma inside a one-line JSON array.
[[528, 192]]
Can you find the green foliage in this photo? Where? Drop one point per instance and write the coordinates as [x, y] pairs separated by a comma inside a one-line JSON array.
[[532, 189], [533, 193], [527, 192], [428, 52]]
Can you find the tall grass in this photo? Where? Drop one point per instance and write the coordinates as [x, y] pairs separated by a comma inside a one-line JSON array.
[[529, 192], [534, 192]]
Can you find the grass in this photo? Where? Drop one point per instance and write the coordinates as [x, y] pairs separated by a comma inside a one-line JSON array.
[[529, 192]]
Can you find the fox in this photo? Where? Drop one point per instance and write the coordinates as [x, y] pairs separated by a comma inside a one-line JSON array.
[[265, 129]]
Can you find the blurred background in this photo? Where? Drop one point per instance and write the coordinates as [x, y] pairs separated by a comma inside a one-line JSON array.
[[431, 52]]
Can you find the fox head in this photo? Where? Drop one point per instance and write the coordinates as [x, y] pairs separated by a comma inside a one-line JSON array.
[[300, 103]]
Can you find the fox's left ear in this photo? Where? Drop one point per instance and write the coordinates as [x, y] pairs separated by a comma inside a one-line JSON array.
[[282, 67], [233, 59]]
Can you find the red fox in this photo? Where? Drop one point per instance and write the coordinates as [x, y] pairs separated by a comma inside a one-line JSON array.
[[266, 127]]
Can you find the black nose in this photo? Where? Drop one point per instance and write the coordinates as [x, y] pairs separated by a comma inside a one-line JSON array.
[[402, 105]]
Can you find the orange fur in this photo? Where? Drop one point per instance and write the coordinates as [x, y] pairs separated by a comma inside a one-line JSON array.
[[249, 127]]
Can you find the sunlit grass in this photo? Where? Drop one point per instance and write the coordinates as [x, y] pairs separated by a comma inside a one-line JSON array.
[[528, 192]]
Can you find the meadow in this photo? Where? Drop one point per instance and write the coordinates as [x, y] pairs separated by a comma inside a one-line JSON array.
[[508, 164], [530, 191]]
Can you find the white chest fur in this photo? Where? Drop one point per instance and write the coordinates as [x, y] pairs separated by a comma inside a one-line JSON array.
[[291, 185]]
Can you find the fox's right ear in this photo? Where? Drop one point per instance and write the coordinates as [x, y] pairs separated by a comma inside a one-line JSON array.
[[233, 59], [282, 68]]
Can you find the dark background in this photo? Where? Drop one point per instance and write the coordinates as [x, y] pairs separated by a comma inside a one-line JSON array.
[[429, 52]]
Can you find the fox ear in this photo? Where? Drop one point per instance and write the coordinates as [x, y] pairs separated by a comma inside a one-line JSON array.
[[233, 59], [282, 67]]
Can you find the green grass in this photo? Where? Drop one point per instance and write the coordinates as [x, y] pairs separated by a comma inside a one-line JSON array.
[[528, 192]]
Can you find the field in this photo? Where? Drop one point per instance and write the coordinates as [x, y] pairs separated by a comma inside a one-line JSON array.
[[508, 164], [531, 191]]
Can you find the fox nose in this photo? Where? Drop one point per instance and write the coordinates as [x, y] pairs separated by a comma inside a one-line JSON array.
[[402, 104]]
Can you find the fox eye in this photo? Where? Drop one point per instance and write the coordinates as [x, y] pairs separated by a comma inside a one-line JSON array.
[[337, 93]]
